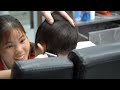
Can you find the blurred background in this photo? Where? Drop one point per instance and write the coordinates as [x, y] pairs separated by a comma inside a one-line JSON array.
[[24, 18]]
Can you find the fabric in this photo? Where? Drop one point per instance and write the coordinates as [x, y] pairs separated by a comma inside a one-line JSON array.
[[1, 65]]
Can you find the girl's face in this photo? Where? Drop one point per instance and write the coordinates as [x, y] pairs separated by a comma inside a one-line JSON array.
[[15, 49]]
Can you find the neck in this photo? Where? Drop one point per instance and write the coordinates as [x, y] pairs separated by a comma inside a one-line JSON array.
[[62, 55]]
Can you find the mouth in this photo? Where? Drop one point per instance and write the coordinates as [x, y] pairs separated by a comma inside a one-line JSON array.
[[22, 57]]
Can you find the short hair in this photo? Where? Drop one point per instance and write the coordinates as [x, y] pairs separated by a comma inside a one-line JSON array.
[[59, 37]]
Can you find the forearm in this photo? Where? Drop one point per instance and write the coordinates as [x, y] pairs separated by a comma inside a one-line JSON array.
[[5, 74]]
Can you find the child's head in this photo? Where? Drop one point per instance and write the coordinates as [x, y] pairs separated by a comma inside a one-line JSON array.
[[14, 44], [58, 38]]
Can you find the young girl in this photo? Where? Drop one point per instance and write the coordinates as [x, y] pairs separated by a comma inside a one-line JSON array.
[[14, 44]]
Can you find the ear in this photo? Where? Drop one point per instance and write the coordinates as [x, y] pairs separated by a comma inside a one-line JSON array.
[[41, 48]]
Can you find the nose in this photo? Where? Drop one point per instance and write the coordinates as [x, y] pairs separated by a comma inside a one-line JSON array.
[[19, 50]]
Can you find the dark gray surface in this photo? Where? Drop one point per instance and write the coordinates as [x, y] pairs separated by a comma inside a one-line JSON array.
[[86, 29], [103, 30], [105, 36]]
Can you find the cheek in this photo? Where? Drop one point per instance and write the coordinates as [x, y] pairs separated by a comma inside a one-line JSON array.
[[7, 56], [27, 47]]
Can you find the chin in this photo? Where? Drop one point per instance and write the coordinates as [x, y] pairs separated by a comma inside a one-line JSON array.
[[26, 58]]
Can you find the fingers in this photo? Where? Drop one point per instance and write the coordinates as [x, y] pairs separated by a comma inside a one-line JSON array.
[[41, 48], [48, 16], [50, 20], [67, 17]]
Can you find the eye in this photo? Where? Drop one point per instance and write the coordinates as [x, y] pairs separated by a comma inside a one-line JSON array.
[[9, 46], [22, 40]]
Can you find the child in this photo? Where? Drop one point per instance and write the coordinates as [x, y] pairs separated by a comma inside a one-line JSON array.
[[14, 44], [59, 38]]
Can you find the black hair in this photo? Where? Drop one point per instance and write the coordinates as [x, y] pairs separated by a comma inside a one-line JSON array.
[[7, 23], [59, 37]]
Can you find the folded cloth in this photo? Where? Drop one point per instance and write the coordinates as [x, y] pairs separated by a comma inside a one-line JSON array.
[[107, 13]]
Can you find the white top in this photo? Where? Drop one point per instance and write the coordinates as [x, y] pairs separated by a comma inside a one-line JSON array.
[[84, 44]]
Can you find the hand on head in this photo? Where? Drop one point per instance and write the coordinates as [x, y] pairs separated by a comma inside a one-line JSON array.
[[49, 18]]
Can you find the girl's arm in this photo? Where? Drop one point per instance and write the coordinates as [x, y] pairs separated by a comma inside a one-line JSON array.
[[5, 74]]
